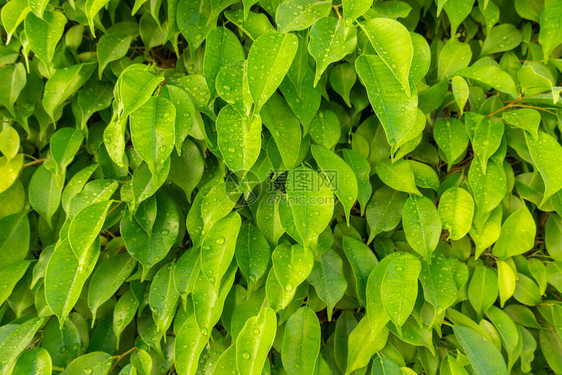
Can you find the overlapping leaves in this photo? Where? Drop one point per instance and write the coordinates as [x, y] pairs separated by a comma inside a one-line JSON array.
[[281, 186]]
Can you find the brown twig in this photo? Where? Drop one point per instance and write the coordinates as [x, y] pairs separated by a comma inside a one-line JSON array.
[[513, 103], [120, 357], [34, 162]]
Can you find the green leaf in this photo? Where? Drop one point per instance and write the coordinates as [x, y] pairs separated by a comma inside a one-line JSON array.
[[421, 61], [363, 344], [218, 246], [501, 38], [10, 169], [269, 60], [342, 78], [216, 204], [292, 264], [311, 202], [188, 346], [16, 342], [491, 75], [550, 35], [153, 133], [362, 169], [457, 11], [483, 289], [238, 138], [397, 175], [331, 40], [222, 48], [486, 139], [66, 275], [34, 361], [328, 279], [484, 357], [124, 312], [353, 9], [450, 135], [456, 208], [91, 9], [86, 226], [301, 342], [187, 170], [268, 217], [384, 211], [506, 281], [384, 366], [151, 247], [545, 150], [14, 79], [508, 331], [13, 14], [11, 274], [527, 291], [108, 278], [325, 128], [65, 143], [254, 342], [63, 84], [392, 42], [195, 21], [517, 234], [43, 34], [232, 85], [111, 47], [438, 281], [134, 88], [422, 225], [399, 287], [294, 15], [454, 56], [285, 128], [14, 238], [253, 253], [524, 118], [345, 184], [96, 363], [395, 108], [45, 191], [488, 189], [185, 113], [304, 100], [460, 91], [163, 298], [362, 261]]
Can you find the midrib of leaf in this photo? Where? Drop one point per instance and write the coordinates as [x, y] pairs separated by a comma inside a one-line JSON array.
[[268, 76], [422, 227], [154, 140], [379, 95]]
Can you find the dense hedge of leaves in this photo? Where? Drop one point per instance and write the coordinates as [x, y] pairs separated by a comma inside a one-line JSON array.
[[281, 187]]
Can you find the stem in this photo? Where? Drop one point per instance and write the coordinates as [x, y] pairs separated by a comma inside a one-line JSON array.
[[335, 7], [114, 208], [34, 162], [513, 103], [120, 357]]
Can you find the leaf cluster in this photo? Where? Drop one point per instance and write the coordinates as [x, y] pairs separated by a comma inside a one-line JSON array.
[[281, 187]]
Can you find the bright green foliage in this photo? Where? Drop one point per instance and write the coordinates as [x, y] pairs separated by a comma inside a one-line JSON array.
[[252, 187]]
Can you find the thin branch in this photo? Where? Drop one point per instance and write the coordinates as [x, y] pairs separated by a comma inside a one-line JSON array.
[[34, 162], [120, 357]]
